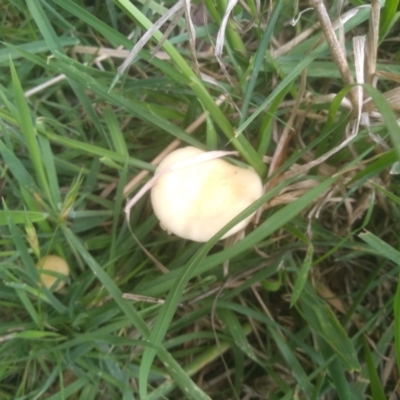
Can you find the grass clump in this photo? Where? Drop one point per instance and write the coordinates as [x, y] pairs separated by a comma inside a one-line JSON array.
[[305, 305]]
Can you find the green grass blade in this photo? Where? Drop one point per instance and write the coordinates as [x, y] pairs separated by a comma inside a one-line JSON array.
[[94, 150], [389, 195], [44, 25], [198, 362], [324, 322], [25, 122], [336, 371], [33, 47], [392, 254], [25, 300], [51, 170], [287, 81], [117, 136], [375, 382], [20, 245], [211, 134], [181, 378], [302, 275], [265, 131], [18, 169], [385, 160], [118, 210], [396, 310], [259, 58], [71, 390], [237, 333], [381, 247], [70, 199], [34, 335], [297, 370], [388, 116], [18, 217], [388, 17]]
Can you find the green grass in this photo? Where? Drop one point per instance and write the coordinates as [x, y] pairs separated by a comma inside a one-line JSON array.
[[310, 306]]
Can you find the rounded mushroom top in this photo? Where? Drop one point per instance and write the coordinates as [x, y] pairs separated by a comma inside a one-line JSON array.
[[195, 202], [55, 264]]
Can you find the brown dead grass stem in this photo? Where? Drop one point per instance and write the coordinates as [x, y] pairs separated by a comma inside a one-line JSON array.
[[337, 52], [372, 42]]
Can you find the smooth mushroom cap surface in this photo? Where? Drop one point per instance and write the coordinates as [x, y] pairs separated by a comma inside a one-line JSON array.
[[195, 202], [55, 264]]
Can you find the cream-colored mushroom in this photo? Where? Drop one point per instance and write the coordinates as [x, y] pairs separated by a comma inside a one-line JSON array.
[[196, 201], [55, 264]]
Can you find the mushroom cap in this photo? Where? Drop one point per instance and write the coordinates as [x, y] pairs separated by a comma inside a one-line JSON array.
[[195, 202], [55, 264]]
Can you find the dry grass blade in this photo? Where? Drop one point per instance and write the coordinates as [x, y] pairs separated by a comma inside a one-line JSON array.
[[145, 299], [44, 85], [285, 48], [109, 52], [192, 34], [334, 45], [359, 55], [167, 32], [393, 98], [372, 42], [388, 75], [256, 15], [304, 168], [280, 153], [341, 37], [219, 45], [296, 19], [102, 53], [147, 36], [161, 267]]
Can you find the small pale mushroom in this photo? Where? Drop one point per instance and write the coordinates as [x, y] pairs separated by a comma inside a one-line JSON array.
[[55, 264], [196, 201]]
